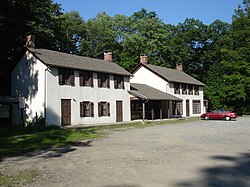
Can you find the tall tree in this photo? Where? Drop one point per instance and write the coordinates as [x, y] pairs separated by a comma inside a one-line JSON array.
[[228, 81], [17, 18]]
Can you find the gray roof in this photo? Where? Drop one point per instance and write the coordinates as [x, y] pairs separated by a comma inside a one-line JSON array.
[[173, 75], [59, 59], [144, 91]]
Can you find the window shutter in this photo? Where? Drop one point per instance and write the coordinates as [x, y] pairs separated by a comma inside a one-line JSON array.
[[91, 79], [92, 109], [60, 76], [108, 108], [81, 78], [72, 78], [107, 81], [115, 82], [122, 83], [99, 109], [99, 82], [81, 109]]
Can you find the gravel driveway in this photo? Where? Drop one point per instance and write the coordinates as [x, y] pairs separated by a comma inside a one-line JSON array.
[[202, 153]]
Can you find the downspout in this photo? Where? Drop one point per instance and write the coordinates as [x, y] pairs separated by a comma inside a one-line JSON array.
[[45, 94]]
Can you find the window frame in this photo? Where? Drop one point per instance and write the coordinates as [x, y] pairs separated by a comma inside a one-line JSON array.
[[86, 109], [86, 79], [66, 76], [177, 88], [196, 107], [103, 108], [118, 82], [103, 80]]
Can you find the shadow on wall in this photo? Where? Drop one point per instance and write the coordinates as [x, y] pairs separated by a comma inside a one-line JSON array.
[[52, 118], [237, 174]]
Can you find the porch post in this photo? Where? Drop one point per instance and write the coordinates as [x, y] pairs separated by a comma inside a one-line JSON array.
[[175, 109], [161, 109], [143, 110]]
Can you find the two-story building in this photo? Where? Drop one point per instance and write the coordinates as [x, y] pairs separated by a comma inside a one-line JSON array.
[[183, 93], [68, 89]]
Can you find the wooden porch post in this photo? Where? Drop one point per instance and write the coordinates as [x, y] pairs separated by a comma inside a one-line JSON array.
[[161, 110], [143, 110]]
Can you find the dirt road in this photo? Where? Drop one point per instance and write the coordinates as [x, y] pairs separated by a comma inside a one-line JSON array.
[[202, 153]]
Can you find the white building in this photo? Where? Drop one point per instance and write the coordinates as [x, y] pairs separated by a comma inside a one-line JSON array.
[[69, 89], [185, 93]]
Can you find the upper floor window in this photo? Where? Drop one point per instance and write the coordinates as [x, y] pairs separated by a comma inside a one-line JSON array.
[[103, 80], [103, 109], [196, 90], [118, 82], [184, 88], [177, 88], [190, 89], [66, 76], [86, 78], [86, 109]]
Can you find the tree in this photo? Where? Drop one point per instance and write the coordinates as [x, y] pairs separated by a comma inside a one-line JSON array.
[[228, 81], [17, 18]]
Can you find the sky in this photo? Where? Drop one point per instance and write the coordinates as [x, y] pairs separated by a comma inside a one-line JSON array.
[[169, 11]]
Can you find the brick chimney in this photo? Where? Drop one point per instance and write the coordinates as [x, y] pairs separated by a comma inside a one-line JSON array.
[[108, 56], [144, 59], [30, 41], [179, 67]]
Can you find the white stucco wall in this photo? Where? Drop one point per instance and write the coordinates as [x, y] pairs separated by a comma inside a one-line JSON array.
[[145, 76], [28, 81], [77, 94]]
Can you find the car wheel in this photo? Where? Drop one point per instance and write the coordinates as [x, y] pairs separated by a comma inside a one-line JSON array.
[[227, 118], [206, 118]]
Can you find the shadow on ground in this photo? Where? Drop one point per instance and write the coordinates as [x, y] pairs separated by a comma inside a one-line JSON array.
[[235, 175]]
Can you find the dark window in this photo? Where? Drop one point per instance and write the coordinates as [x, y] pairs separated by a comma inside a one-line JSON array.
[[176, 88], [184, 89], [103, 109], [86, 78], [177, 107], [118, 82], [190, 89], [196, 90], [86, 109], [103, 80], [66, 76], [196, 106]]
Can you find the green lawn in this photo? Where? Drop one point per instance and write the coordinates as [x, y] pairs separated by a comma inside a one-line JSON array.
[[21, 140]]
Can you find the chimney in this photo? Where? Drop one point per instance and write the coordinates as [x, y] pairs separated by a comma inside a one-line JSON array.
[[144, 59], [30, 41], [108, 56], [179, 67]]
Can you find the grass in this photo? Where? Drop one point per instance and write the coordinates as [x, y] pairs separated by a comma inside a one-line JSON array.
[[21, 178], [20, 140]]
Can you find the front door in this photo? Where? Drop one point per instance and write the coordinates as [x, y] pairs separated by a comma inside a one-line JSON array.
[[187, 108], [66, 112], [119, 117]]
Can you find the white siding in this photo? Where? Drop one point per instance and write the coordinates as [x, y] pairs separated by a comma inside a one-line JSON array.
[[77, 94], [28, 81], [145, 76]]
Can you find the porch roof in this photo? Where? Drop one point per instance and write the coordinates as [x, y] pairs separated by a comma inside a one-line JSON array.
[[144, 91]]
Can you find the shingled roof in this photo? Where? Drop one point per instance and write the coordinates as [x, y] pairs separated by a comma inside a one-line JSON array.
[[171, 75], [144, 91], [59, 59]]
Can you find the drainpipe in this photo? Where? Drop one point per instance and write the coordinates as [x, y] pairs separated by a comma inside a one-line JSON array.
[[45, 93]]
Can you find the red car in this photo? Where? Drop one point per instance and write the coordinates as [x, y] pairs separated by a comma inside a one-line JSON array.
[[219, 114]]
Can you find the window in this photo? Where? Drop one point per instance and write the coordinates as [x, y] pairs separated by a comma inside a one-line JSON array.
[[196, 90], [177, 108], [66, 76], [184, 89], [86, 78], [86, 109], [103, 109], [196, 106], [103, 80], [176, 88], [190, 90], [118, 82]]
